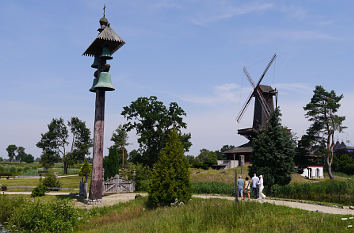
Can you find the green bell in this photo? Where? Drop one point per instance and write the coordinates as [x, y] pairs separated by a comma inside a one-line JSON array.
[[106, 54], [96, 62], [95, 81], [105, 82]]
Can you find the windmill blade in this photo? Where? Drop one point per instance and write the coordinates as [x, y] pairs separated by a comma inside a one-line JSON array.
[[249, 77], [264, 104], [266, 69], [244, 107]]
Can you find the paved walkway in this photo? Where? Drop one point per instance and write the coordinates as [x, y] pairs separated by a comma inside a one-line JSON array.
[[124, 197]]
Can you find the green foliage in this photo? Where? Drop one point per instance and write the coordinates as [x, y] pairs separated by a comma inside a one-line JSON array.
[[120, 137], [8, 205], [328, 191], [39, 190], [213, 188], [11, 149], [1, 159], [28, 158], [224, 148], [205, 159], [54, 142], [55, 216], [142, 176], [170, 176], [152, 121], [111, 163], [214, 215], [134, 157], [51, 181], [343, 163], [321, 111], [273, 153], [85, 169]]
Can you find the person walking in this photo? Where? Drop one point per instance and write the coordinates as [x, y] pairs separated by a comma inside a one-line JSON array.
[[247, 189], [240, 183], [261, 187], [255, 181]]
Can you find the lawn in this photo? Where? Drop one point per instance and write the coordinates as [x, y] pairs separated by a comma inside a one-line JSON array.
[[66, 182], [211, 215]]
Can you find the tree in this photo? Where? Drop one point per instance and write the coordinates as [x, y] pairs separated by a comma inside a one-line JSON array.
[[11, 149], [152, 121], [21, 154], [1, 159], [273, 153], [54, 143], [111, 163], [85, 170], [135, 157], [321, 111], [120, 139], [170, 176], [219, 153], [207, 158], [28, 158]]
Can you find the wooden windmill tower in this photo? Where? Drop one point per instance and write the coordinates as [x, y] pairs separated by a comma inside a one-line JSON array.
[[263, 107]]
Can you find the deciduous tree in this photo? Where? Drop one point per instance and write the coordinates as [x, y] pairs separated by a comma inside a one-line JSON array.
[[11, 152], [54, 143], [322, 112], [152, 121]]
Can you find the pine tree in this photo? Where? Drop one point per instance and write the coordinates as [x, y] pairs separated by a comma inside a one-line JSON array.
[[273, 153], [170, 178]]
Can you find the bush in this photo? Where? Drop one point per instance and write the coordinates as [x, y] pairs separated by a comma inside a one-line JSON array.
[[39, 191], [50, 181], [55, 216], [3, 187], [111, 163], [170, 176], [142, 176], [86, 168], [7, 207], [329, 191]]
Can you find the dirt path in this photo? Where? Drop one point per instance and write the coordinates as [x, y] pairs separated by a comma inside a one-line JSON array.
[[124, 197]]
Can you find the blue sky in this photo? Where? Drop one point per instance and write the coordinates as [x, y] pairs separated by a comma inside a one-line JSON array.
[[191, 52]]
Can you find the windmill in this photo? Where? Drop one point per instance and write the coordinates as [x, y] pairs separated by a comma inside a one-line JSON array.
[[263, 105]]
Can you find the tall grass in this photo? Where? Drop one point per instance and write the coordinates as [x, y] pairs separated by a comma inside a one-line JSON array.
[[328, 191], [213, 188], [213, 216]]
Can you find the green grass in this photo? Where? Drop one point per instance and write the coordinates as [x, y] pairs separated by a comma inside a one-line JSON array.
[[66, 182], [211, 216]]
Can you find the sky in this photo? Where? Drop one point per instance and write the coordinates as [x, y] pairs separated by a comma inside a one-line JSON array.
[[188, 51]]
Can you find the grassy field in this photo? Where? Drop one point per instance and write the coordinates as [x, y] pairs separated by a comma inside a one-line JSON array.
[[211, 216], [66, 182], [31, 169]]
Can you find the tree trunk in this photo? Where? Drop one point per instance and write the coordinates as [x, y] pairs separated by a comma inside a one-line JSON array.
[[329, 159], [122, 157], [65, 167]]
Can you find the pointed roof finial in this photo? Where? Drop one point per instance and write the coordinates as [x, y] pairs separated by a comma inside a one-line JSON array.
[[104, 11]]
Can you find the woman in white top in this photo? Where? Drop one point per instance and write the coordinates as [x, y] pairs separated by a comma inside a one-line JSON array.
[[261, 187]]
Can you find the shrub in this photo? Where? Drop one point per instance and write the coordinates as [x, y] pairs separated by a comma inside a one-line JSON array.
[[170, 176], [7, 206], [56, 216], [51, 181], [39, 191], [142, 176], [329, 191], [85, 169], [111, 163], [3, 187]]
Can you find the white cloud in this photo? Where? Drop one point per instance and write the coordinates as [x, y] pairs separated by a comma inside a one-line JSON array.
[[227, 12]]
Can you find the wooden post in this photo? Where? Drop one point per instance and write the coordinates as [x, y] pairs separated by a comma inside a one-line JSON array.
[[96, 188], [236, 186]]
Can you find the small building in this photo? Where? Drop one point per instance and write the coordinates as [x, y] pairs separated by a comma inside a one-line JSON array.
[[225, 164], [313, 172]]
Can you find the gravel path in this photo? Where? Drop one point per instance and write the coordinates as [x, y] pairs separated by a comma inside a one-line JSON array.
[[124, 197]]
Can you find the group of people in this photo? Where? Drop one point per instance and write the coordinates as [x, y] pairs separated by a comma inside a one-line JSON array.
[[244, 187]]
